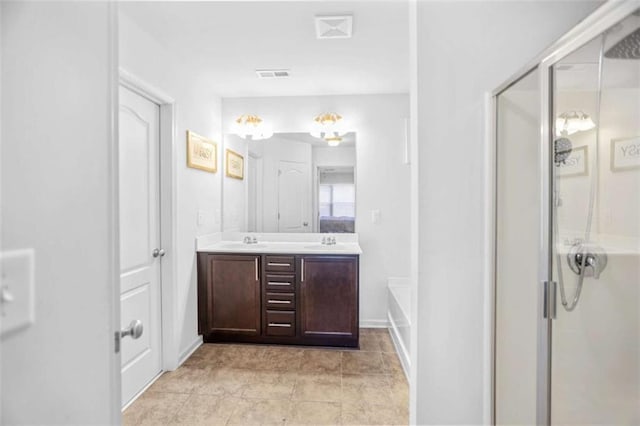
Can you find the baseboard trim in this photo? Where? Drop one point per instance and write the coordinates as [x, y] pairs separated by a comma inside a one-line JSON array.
[[143, 390], [374, 323], [401, 350], [184, 355]]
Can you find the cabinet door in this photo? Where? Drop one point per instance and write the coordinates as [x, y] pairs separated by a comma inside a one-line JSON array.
[[329, 296], [234, 294]]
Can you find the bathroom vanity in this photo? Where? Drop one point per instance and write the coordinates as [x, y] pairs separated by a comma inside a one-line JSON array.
[[302, 293]]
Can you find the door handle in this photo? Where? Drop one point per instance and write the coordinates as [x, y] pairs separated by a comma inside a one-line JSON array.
[[305, 223], [134, 330], [158, 252]]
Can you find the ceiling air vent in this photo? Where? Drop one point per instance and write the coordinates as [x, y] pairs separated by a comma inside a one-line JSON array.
[[334, 26], [273, 73]]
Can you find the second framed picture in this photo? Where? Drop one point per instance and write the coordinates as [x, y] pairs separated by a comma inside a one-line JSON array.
[[234, 165]]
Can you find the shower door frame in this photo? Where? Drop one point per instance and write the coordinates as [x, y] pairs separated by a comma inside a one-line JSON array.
[[603, 18]]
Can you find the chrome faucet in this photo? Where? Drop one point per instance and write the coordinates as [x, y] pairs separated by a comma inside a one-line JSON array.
[[329, 241], [249, 240]]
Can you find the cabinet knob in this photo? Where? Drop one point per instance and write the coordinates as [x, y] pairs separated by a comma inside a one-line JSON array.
[[158, 252]]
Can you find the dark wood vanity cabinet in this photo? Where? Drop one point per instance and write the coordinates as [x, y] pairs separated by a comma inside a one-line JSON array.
[[288, 299], [328, 289], [229, 295]]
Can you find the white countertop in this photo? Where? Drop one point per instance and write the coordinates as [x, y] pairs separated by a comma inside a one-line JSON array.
[[231, 242]]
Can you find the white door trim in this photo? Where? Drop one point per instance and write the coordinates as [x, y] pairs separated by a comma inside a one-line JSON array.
[[113, 227], [168, 208]]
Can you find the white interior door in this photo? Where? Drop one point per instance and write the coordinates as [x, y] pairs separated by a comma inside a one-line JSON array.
[[294, 197], [139, 237]]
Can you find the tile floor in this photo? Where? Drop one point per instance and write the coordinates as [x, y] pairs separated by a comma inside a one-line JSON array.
[[224, 384]]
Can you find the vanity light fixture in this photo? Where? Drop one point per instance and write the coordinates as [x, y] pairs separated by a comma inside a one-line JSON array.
[[250, 126], [571, 122], [330, 127]]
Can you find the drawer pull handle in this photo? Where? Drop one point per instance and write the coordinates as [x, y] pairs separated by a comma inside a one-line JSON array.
[[279, 264], [256, 262], [279, 324], [283, 302], [277, 283]]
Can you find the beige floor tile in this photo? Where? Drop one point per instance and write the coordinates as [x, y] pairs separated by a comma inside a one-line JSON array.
[[224, 382], [248, 357], [183, 380], [315, 413], [386, 344], [373, 331], [370, 342], [372, 389], [360, 413], [272, 376], [154, 408], [254, 384], [321, 361], [318, 387], [282, 359], [392, 363], [363, 363], [205, 410], [268, 390], [399, 391], [260, 412]]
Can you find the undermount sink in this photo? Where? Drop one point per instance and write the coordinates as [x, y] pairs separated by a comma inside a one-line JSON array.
[[240, 245]]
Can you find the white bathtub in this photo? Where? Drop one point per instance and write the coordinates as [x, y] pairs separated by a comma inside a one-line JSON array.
[[399, 304]]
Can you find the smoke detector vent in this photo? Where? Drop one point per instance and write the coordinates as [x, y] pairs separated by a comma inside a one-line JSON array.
[[334, 26], [279, 73]]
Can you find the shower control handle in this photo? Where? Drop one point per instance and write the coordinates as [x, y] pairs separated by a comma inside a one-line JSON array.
[[588, 256]]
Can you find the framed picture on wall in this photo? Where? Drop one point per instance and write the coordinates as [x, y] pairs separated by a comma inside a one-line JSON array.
[[625, 154], [234, 165], [577, 164], [202, 153]]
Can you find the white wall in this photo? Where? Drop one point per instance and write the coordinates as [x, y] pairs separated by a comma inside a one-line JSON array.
[[234, 215], [198, 109], [518, 232], [57, 198], [382, 178], [457, 64], [334, 156]]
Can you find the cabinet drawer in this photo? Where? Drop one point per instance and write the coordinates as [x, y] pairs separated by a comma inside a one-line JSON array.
[[280, 282], [280, 301], [281, 323], [280, 264]]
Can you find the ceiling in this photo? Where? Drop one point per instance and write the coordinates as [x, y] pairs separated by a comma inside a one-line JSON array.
[[228, 41]]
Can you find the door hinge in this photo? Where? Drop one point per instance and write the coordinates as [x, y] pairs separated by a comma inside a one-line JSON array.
[[549, 308], [118, 337], [278, 215], [279, 172]]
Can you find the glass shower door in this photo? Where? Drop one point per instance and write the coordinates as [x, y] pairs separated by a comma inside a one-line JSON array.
[[595, 339]]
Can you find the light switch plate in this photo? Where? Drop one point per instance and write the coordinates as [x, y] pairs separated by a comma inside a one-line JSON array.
[[201, 217], [17, 290]]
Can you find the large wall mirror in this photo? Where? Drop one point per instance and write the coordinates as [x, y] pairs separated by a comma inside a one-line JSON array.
[[291, 182]]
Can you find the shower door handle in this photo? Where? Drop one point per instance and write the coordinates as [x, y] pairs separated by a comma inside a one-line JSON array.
[[549, 308]]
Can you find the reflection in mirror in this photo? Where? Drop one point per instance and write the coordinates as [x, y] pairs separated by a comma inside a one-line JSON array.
[[293, 182]]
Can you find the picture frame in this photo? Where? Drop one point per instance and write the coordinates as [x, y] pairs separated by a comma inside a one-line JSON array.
[[234, 165], [577, 164], [625, 154], [202, 153]]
